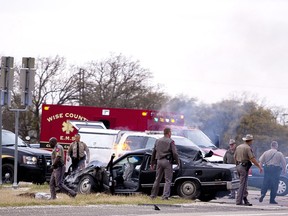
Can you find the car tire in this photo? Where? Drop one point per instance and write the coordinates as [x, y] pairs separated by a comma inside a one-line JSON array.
[[188, 189], [8, 170], [86, 185], [282, 187]]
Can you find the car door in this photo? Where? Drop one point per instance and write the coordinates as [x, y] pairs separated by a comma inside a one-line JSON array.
[[147, 175], [126, 173]]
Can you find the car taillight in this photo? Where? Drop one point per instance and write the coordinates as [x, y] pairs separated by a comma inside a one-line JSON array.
[[250, 172]]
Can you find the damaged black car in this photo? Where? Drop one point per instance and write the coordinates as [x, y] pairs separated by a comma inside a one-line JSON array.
[[195, 178]]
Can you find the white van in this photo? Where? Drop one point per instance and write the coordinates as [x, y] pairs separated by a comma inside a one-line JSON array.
[[99, 141]]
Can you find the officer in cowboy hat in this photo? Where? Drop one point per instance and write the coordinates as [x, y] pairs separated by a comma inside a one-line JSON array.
[[244, 158]]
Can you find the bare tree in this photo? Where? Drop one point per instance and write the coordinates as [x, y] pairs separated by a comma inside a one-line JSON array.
[[114, 82], [53, 84], [120, 82]]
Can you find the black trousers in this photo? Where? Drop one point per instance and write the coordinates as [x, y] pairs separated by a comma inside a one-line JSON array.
[[271, 181], [76, 162]]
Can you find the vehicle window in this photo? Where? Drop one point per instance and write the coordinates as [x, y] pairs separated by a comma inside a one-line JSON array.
[[105, 141], [8, 138], [199, 138], [131, 159], [150, 143], [135, 142], [184, 142], [147, 163]]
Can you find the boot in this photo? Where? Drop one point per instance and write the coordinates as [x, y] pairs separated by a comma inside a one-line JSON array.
[[261, 198], [246, 202]]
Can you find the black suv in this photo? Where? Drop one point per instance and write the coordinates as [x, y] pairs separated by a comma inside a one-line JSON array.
[[196, 178], [33, 164]]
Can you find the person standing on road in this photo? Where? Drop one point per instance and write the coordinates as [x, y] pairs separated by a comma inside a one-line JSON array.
[[229, 159], [79, 152], [58, 170], [274, 162], [165, 153], [243, 158]]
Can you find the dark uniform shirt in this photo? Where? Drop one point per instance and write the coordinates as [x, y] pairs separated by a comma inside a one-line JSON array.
[[163, 147]]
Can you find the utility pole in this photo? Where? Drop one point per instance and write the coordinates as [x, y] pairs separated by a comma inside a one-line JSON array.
[[284, 118], [81, 86], [6, 84], [27, 83]]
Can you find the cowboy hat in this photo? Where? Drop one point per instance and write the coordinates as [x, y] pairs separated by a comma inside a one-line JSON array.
[[231, 141], [248, 137]]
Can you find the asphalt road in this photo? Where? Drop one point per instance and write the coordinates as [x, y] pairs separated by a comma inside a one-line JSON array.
[[219, 207]]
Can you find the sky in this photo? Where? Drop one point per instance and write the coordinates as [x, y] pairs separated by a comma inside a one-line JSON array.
[[205, 49]]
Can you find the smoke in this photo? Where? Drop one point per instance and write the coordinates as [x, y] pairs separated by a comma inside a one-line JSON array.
[[218, 121]]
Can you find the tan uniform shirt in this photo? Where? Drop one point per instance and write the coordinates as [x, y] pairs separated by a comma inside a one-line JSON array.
[[243, 153], [229, 157], [82, 149], [57, 152], [273, 157]]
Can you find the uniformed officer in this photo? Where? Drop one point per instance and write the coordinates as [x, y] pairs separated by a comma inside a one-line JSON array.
[[229, 154], [243, 157], [273, 161], [77, 151], [58, 170], [229, 159], [164, 152]]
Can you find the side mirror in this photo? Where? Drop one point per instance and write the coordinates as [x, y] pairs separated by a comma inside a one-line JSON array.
[[209, 154]]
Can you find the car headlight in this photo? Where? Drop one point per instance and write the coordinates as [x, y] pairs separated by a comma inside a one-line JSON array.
[[235, 175], [29, 160]]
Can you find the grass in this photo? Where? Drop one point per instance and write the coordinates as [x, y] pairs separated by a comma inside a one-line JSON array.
[[14, 197]]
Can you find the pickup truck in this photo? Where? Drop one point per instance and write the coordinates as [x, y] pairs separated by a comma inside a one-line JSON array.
[[33, 163]]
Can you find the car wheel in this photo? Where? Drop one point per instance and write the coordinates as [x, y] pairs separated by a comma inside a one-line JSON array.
[[188, 189], [86, 185], [282, 187], [8, 173]]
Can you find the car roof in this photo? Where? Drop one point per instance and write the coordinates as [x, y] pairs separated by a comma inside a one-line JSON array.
[[98, 131], [161, 135], [134, 133], [157, 136]]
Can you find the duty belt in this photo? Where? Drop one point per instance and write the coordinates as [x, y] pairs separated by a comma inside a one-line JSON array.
[[243, 163]]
